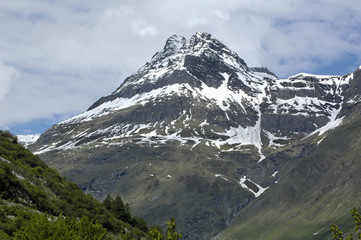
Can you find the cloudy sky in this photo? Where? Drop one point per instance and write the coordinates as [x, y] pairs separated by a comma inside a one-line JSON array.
[[59, 56]]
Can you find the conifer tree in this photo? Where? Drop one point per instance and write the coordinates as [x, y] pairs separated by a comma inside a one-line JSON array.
[[118, 209], [337, 234], [107, 202], [171, 230]]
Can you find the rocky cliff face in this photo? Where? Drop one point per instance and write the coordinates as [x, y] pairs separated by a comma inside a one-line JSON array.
[[191, 134]]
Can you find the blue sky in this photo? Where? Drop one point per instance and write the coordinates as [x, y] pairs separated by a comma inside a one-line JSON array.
[[58, 57]]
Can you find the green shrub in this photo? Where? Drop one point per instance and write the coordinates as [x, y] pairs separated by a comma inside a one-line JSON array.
[[61, 228]]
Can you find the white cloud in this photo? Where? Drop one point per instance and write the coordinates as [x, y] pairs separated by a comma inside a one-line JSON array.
[[8, 76], [75, 52]]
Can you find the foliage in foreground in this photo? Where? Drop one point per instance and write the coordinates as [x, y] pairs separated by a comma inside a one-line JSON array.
[[28, 187], [62, 228], [337, 234], [122, 211], [156, 232]]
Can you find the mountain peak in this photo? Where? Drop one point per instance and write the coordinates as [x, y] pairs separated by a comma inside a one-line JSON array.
[[203, 35], [175, 42], [204, 40], [204, 43], [202, 58], [172, 46]]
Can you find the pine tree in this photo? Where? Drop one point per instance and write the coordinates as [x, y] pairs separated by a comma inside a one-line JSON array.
[[337, 234], [107, 202], [171, 230], [119, 209]]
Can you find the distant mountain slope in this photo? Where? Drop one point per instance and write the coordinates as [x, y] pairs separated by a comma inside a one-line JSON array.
[[26, 140], [318, 184], [28, 186], [198, 135]]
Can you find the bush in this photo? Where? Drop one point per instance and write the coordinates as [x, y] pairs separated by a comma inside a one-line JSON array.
[[62, 228]]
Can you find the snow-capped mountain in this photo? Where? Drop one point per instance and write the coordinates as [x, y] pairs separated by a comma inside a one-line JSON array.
[[191, 120], [221, 101], [26, 140]]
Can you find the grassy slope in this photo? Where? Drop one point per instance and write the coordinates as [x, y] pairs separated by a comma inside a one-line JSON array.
[[316, 188], [29, 186], [140, 176]]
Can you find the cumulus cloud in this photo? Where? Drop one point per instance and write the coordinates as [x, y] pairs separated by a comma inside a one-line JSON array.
[[68, 53]]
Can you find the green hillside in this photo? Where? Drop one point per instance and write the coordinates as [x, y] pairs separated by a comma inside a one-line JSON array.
[[319, 183], [36, 201]]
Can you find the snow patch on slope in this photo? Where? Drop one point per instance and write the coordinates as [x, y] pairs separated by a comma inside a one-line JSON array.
[[53, 146], [123, 103], [243, 182], [273, 138], [301, 75], [222, 176], [333, 123], [250, 135]]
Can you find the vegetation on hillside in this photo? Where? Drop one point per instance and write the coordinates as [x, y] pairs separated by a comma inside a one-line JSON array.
[[37, 203], [41, 226], [156, 232], [337, 234]]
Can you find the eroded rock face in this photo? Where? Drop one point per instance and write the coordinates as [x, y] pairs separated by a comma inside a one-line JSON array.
[[178, 135], [304, 103]]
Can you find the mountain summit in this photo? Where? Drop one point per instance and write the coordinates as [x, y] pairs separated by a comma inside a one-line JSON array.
[[198, 135], [195, 61]]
